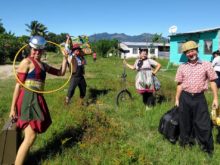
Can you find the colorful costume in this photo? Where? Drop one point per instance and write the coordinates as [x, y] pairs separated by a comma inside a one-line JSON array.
[[144, 81], [31, 106]]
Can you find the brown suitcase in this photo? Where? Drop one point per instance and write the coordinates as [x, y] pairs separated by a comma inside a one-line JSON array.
[[9, 142]]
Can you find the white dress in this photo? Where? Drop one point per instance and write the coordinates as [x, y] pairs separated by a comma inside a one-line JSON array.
[[143, 80]]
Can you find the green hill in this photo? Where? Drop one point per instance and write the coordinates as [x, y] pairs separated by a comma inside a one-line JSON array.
[[144, 37]]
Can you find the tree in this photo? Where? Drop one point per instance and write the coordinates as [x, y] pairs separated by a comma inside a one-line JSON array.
[[8, 47], [57, 38], [36, 28], [2, 29], [103, 47], [157, 38], [51, 37]]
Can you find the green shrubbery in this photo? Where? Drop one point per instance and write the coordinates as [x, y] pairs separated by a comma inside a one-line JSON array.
[[9, 45]]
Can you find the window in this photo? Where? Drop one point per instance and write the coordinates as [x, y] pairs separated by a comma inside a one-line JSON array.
[[152, 51], [135, 51], [207, 46], [180, 47]]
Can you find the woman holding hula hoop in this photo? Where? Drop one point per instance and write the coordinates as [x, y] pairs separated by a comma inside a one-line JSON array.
[[28, 106]]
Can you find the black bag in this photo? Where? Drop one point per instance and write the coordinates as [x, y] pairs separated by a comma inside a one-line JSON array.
[[10, 140], [169, 125]]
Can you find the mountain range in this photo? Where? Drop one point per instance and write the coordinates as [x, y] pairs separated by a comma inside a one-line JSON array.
[[121, 37]]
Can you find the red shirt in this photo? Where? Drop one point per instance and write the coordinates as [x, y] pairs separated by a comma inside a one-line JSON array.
[[194, 77]]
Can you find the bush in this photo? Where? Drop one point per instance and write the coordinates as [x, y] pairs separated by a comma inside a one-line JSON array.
[[9, 47], [2, 57]]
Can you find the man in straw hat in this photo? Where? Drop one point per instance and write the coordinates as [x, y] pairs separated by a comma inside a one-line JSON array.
[[192, 80]]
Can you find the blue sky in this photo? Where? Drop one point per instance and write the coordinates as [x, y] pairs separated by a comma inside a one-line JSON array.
[[132, 17]]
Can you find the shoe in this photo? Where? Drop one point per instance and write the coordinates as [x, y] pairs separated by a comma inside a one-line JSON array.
[[207, 150], [209, 153], [147, 108], [184, 143], [192, 141], [67, 101]]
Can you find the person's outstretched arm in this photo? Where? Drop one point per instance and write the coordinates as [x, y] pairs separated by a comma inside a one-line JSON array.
[[68, 44], [62, 70], [128, 65]]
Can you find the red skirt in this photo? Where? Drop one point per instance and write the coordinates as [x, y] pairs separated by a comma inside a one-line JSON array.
[[38, 118]]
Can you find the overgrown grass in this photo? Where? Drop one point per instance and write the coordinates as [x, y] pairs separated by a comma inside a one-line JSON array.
[[101, 133]]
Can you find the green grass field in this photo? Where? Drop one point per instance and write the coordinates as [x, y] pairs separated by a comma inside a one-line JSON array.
[[101, 133]]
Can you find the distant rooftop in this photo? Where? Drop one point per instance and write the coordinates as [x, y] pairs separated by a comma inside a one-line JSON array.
[[197, 31], [144, 44]]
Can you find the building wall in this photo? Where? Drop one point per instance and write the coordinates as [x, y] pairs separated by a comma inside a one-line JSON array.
[[132, 55], [177, 57], [159, 49]]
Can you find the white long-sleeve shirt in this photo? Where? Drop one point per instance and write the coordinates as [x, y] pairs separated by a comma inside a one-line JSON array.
[[216, 63]]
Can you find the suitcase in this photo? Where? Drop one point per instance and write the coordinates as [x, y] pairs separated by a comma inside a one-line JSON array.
[[10, 140], [169, 125]]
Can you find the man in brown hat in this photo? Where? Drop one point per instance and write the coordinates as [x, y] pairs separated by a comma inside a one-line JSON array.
[[192, 78]]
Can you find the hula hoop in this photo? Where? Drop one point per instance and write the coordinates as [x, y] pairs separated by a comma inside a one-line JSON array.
[[43, 92]]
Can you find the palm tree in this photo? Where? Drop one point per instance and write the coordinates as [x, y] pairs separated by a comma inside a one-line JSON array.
[[36, 28]]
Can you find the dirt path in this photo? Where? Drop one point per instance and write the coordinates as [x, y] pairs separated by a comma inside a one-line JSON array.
[[6, 71]]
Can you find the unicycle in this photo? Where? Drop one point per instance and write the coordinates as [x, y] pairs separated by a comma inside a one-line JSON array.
[[123, 96]]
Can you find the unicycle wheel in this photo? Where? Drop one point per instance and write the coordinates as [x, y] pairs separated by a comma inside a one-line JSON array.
[[123, 97]]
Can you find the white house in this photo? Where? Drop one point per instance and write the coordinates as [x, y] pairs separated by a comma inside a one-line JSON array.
[[155, 50]]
